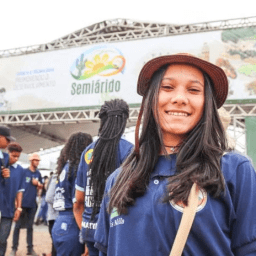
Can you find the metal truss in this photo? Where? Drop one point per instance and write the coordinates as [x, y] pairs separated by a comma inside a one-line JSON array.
[[125, 30], [237, 132], [237, 129], [241, 110], [58, 117], [238, 112]]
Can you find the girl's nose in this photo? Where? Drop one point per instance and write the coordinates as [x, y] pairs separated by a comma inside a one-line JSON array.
[[179, 99]]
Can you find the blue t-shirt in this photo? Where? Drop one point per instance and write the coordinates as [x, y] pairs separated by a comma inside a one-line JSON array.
[[13, 185], [30, 193], [4, 159], [223, 226], [65, 190], [83, 184]]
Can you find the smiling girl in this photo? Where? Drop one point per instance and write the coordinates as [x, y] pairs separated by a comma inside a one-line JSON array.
[[182, 142]]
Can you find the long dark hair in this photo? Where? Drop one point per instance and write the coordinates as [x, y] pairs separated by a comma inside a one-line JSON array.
[[72, 151], [113, 117], [198, 159]]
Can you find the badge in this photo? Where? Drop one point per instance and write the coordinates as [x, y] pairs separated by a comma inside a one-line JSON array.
[[202, 200], [88, 156]]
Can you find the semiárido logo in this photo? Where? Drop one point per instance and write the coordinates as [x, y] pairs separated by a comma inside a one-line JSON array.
[[102, 61]]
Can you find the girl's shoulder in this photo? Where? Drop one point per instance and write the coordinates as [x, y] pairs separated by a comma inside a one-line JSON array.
[[112, 178], [90, 147], [125, 141], [125, 144], [234, 163], [235, 158]]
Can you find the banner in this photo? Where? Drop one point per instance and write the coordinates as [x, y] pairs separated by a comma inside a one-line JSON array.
[[87, 76]]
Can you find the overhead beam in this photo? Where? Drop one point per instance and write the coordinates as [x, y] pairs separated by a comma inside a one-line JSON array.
[[83, 116], [75, 116], [125, 30]]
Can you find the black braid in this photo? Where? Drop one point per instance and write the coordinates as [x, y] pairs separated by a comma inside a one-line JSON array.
[[113, 115], [72, 151]]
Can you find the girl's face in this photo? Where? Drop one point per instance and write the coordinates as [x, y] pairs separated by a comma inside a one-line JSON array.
[[180, 102]]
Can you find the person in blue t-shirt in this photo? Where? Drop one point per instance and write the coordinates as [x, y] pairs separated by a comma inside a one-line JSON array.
[[33, 182], [5, 223], [182, 142], [107, 153], [13, 190], [65, 232], [5, 139]]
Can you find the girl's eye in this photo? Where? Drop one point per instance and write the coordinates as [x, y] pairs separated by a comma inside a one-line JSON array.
[[166, 87], [194, 90]]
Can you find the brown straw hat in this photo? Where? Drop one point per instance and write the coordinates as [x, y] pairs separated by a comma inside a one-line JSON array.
[[216, 74]]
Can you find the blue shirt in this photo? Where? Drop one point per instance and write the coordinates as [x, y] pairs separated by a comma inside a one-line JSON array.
[[14, 184], [83, 184], [4, 159], [65, 190], [30, 193], [223, 226]]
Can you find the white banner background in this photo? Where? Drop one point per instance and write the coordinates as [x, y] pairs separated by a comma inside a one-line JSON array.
[[44, 80]]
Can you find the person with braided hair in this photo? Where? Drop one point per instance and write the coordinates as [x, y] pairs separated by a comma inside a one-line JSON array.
[[65, 232], [98, 161]]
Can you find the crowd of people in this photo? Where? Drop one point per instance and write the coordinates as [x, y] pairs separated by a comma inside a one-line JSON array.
[[182, 189]]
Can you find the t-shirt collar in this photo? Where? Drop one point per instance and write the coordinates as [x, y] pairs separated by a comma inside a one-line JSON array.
[[1, 154], [15, 165], [165, 166]]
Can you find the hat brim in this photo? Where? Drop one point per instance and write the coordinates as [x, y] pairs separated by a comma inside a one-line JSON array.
[[216, 74], [10, 138]]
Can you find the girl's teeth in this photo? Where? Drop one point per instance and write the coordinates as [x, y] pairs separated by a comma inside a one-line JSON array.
[[177, 114]]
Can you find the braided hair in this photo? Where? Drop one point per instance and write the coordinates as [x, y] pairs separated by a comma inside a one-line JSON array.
[[72, 151], [113, 117]]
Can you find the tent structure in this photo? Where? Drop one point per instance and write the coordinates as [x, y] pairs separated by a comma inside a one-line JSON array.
[[47, 129]]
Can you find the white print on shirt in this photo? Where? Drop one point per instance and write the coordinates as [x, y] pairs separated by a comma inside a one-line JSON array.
[[62, 175], [89, 225], [64, 226], [88, 191], [119, 221], [59, 199], [202, 200]]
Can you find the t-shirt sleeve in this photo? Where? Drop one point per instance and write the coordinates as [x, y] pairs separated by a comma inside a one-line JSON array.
[[82, 169], [101, 234], [6, 160], [22, 181], [102, 231], [244, 194], [127, 149], [49, 197], [73, 190], [40, 177]]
